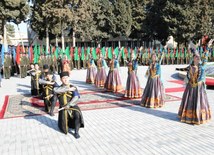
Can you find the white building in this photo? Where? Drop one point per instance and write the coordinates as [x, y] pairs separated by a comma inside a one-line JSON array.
[[19, 38]]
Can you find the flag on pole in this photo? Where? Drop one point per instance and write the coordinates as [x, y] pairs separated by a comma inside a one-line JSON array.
[[157, 50], [18, 50], [103, 52], [123, 53], [67, 53], [94, 53], [129, 52], [36, 54], [116, 51], [2, 54], [31, 53], [201, 51], [109, 53], [56, 52], [14, 55], [76, 55]]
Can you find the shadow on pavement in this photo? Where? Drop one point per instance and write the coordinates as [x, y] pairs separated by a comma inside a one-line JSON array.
[[23, 91], [23, 85], [151, 111], [82, 84], [155, 112]]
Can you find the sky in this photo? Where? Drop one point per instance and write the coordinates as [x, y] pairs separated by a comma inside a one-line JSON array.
[[22, 26]]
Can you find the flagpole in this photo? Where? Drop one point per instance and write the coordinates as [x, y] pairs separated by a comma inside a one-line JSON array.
[[21, 39]]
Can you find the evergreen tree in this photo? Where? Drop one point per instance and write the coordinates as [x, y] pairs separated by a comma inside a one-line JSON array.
[[89, 18], [180, 17], [10, 33], [154, 26], [204, 12], [54, 15], [121, 19], [138, 17], [13, 11]]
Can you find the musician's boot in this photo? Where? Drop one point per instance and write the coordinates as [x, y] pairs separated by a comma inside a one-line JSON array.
[[77, 125], [76, 134], [53, 104]]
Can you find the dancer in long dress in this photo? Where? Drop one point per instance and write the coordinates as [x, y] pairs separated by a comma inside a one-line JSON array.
[[91, 71], [101, 72], [113, 82], [194, 108], [153, 95], [133, 89]]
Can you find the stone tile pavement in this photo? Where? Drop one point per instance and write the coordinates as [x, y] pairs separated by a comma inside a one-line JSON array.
[[125, 130]]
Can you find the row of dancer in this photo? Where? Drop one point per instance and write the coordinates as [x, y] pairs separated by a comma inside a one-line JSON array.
[[194, 106], [112, 81]]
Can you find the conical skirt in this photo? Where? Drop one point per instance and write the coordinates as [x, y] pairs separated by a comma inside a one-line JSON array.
[[153, 95], [133, 89], [113, 82], [194, 108], [100, 77], [91, 75]]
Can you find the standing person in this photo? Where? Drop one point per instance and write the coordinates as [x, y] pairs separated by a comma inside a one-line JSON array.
[[187, 57], [101, 72], [194, 108], [91, 71], [77, 57], [153, 95], [72, 58], [133, 89], [54, 64], [70, 115], [41, 62], [7, 66], [83, 57], [35, 80], [172, 56], [59, 64], [113, 82], [22, 65], [167, 56], [32, 69], [49, 83], [178, 56], [42, 76], [25, 61], [182, 56]]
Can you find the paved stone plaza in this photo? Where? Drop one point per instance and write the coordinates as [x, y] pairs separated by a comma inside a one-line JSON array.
[[111, 130]]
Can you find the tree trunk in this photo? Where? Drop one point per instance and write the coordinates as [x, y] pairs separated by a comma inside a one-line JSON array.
[[74, 38], [47, 41], [56, 41], [5, 34], [63, 41]]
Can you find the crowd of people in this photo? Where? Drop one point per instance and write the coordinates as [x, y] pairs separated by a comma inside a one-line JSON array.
[[194, 107], [18, 60]]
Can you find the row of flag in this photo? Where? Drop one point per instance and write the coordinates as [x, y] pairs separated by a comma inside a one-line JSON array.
[[83, 53]]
